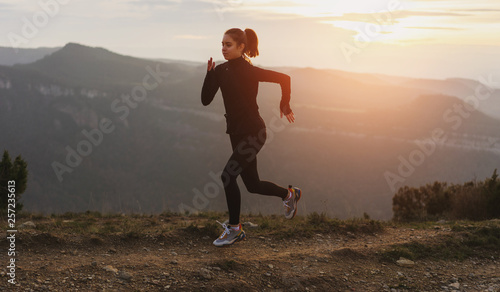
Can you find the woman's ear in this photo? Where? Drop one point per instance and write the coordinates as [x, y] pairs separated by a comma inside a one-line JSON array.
[[242, 48]]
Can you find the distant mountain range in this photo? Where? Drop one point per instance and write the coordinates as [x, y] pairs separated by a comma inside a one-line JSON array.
[[11, 56], [113, 133]]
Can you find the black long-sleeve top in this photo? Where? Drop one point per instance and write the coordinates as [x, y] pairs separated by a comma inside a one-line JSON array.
[[239, 83]]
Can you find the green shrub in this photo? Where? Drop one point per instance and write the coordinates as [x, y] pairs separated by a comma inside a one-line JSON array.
[[16, 171], [472, 200], [492, 194], [410, 204]]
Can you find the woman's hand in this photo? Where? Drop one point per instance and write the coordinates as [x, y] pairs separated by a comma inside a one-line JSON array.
[[210, 65], [290, 117]]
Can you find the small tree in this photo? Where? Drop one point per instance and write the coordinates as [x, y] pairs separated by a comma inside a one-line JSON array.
[[408, 204], [492, 193], [12, 171], [438, 199]]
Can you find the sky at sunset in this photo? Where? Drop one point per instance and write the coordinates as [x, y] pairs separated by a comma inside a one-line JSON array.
[[417, 38]]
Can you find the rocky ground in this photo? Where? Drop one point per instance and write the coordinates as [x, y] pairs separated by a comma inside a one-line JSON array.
[[168, 252]]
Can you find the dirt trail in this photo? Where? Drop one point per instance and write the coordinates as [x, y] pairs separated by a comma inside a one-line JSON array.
[[184, 260]]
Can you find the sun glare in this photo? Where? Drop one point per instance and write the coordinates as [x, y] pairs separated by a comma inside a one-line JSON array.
[[410, 21], [343, 7], [322, 8], [358, 16]]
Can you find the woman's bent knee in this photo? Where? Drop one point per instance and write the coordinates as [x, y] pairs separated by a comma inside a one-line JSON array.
[[253, 188], [227, 178]]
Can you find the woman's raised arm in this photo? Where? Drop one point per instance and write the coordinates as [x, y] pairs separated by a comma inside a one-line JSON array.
[[210, 85]]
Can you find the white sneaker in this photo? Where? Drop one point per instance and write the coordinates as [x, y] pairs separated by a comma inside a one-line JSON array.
[[229, 236], [291, 203]]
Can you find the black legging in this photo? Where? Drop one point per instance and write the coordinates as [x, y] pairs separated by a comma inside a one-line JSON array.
[[243, 162]]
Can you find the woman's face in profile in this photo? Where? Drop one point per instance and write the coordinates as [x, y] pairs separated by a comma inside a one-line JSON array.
[[229, 48]]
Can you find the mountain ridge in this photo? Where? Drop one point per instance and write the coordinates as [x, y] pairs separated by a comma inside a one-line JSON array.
[[11, 56]]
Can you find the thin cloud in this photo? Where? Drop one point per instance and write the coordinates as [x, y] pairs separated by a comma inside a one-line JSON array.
[[15, 7], [408, 13], [156, 3], [190, 37], [418, 41], [477, 10], [435, 27], [391, 17]]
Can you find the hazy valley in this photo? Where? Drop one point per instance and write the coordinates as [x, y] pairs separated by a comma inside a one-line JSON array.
[[112, 133]]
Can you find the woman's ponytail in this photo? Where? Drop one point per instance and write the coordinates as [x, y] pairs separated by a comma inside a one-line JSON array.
[[247, 37], [252, 43]]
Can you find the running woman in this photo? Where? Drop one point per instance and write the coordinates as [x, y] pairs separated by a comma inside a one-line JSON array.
[[239, 80]]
